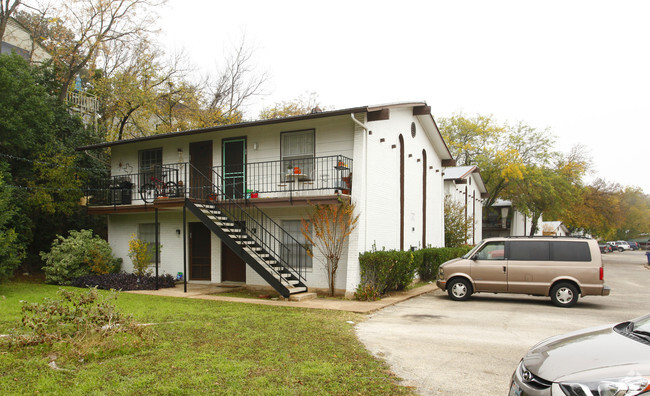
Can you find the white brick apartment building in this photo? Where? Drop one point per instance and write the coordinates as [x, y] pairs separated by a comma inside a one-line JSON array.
[[229, 199]]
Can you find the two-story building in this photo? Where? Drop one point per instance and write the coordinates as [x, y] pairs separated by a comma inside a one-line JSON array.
[[227, 201], [465, 185]]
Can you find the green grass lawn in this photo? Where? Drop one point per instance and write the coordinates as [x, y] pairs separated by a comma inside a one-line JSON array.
[[197, 347]]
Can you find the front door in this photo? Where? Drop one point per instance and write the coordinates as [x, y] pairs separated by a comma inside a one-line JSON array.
[[201, 170], [233, 268], [234, 169], [200, 252]]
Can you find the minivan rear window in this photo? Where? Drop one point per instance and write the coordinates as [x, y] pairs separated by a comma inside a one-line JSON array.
[[570, 251], [529, 251]]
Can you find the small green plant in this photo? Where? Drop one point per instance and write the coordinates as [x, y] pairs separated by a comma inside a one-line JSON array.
[[141, 254], [81, 253], [74, 316]]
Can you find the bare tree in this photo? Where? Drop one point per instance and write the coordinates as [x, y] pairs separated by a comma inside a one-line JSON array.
[[237, 82], [7, 9]]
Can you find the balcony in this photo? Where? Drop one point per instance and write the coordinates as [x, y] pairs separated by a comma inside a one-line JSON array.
[[273, 182], [83, 102]]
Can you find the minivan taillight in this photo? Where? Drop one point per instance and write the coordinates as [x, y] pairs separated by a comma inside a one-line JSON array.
[[602, 273]]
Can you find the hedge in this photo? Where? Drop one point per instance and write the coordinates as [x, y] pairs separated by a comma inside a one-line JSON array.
[[124, 281], [428, 260], [387, 270]]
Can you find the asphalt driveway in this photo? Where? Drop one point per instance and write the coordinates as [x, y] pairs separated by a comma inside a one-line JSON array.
[[443, 347]]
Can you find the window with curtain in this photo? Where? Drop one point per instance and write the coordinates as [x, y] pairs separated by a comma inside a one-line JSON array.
[[298, 151], [147, 233], [294, 228]]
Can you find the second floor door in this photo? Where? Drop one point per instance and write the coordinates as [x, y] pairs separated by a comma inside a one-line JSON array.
[[234, 167], [201, 170]]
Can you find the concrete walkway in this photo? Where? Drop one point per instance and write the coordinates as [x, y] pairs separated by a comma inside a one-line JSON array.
[[207, 292]]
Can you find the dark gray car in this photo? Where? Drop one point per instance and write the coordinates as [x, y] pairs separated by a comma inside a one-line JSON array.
[[603, 361]]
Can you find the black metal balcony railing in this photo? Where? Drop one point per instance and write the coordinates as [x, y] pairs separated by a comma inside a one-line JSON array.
[[260, 179], [289, 175]]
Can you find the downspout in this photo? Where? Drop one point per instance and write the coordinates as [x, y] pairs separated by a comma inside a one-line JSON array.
[[365, 177]]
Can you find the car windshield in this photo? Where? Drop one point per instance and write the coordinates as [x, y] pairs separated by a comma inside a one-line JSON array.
[[471, 252]]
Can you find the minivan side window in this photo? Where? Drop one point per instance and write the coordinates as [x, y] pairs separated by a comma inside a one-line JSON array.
[[491, 251], [529, 250], [570, 251]]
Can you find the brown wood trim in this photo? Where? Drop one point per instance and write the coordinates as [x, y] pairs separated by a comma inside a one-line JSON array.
[[379, 115], [401, 192], [421, 110], [485, 195], [424, 198], [448, 162], [460, 181]]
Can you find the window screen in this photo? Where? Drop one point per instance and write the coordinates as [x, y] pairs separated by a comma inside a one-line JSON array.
[[294, 228], [529, 251], [570, 251], [147, 233]]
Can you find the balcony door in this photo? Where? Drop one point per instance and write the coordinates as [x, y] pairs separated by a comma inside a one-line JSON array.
[[234, 167], [201, 170]]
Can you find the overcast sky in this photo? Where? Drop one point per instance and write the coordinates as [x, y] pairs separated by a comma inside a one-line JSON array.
[[580, 68]]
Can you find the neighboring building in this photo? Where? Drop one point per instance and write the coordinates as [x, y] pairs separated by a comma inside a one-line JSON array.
[[465, 185], [554, 228], [243, 190], [501, 220], [18, 39]]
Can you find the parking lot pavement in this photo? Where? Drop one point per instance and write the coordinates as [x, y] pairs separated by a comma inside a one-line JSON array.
[[444, 347]]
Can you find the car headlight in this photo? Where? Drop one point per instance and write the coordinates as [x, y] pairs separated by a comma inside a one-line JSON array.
[[441, 273], [628, 386]]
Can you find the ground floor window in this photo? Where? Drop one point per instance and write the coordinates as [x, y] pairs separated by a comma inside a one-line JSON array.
[[294, 228], [147, 233]]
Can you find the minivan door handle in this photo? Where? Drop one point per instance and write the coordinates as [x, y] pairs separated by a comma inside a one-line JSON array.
[[504, 269]]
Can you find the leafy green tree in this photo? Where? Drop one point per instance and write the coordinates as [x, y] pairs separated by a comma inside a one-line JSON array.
[[635, 221], [12, 250], [37, 140], [502, 152]]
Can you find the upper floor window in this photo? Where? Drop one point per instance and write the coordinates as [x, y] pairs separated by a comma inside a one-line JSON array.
[[297, 150], [150, 163]]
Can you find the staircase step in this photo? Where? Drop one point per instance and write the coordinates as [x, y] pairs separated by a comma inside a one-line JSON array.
[[301, 295], [294, 290]]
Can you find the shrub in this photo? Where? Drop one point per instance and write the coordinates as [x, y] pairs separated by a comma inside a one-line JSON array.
[[74, 316], [428, 260], [382, 271], [124, 281], [141, 255], [79, 254]]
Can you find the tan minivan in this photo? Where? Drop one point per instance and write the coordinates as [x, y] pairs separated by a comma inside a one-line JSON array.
[[560, 267]]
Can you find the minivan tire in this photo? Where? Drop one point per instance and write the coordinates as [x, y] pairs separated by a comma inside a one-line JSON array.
[[459, 289], [564, 294]]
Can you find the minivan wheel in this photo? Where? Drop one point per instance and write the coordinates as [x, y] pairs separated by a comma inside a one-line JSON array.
[[564, 295], [620, 249], [459, 289]]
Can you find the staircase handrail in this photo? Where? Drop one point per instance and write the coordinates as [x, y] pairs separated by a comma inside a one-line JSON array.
[[220, 194]]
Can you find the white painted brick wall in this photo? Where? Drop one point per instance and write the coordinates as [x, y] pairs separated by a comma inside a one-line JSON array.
[[375, 189]]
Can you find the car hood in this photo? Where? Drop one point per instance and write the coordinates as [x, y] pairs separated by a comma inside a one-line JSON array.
[[586, 353]]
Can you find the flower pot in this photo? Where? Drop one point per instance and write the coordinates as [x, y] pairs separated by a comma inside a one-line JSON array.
[[296, 171]]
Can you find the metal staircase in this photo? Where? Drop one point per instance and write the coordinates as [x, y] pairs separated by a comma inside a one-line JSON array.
[[258, 240]]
